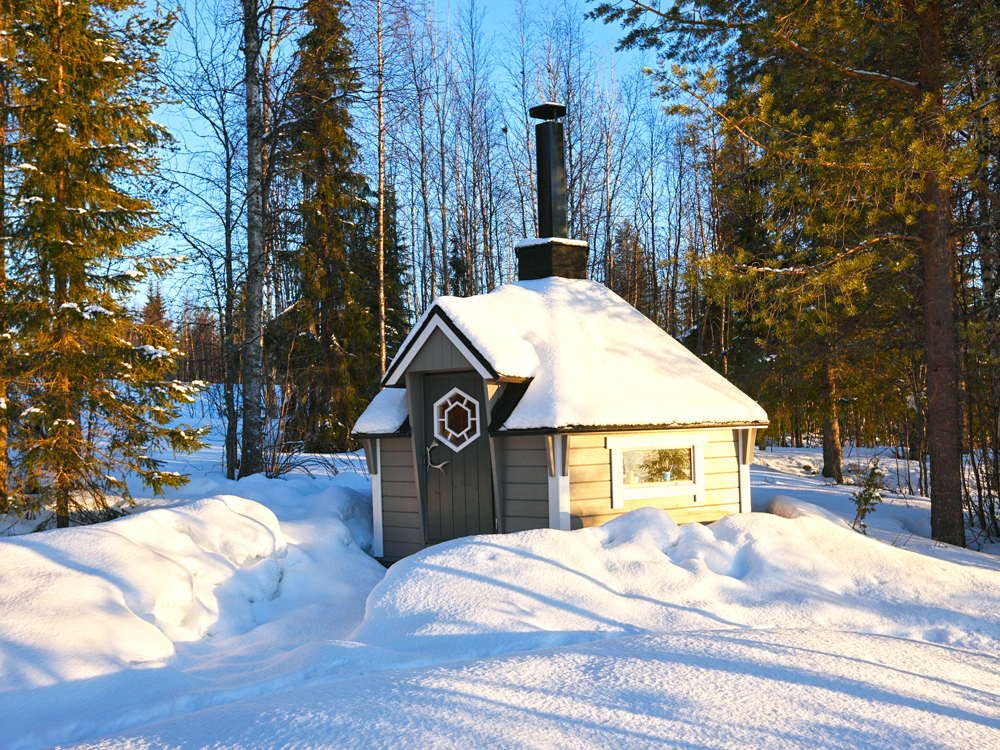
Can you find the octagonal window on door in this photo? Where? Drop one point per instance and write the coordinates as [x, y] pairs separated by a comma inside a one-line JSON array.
[[456, 419]]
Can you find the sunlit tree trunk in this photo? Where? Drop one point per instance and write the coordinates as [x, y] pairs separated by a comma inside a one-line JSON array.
[[832, 457], [380, 104], [252, 454], [5, 106], [940, 331]]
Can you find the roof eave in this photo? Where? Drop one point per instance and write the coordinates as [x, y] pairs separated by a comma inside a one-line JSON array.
[[582, 429], [403, 431], [380, 435]]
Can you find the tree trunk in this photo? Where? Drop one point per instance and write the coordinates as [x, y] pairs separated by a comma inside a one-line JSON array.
[[832, 457], [441, 114], [5, 104], [381, 191], [229, 368], [252, 458], [61, 391], [425, 195], [675, 265], [4, 487], [61, 395], [940, 333]]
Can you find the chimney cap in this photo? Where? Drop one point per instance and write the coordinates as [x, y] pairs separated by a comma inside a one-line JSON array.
[[547, 111]]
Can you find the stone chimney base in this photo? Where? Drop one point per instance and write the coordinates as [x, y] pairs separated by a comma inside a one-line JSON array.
[[541, 257]]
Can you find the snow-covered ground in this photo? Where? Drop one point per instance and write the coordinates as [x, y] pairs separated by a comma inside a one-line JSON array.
[[249, 615], [902, 520]]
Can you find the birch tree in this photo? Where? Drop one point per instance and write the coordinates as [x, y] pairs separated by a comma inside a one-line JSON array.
[[204, 77], [252, 448]]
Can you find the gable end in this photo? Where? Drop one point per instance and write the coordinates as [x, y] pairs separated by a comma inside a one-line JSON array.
[[436, 320], [438, 354]]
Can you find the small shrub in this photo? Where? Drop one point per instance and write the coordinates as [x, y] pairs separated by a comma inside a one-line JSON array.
[[868, 496]]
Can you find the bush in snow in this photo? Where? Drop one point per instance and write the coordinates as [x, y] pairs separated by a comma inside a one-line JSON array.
[[868, 496]]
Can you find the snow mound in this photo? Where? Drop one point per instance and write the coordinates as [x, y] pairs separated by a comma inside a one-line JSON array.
[[85, 602], [641, 573], [182, 606]]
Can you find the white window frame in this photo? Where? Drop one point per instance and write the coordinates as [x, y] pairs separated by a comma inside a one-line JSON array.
[[476, 414], [620, 492]]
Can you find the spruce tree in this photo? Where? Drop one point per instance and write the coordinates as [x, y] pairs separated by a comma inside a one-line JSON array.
[[393, 273], [633, 271], [154, 312], [8, 133], [91, 404], [329, 338]]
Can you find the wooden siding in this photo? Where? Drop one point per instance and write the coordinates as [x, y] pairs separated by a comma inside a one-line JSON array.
[[402, 532], [524, 482], [590, 482], [438, 354]]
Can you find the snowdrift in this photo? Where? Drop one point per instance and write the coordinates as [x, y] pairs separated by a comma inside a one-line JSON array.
[[177, 608], [641, 573], [257, 621], [99, 599]]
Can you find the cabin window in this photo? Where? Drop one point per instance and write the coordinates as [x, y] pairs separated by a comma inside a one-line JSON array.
[[456, 419], [655, 466], [645, 467]]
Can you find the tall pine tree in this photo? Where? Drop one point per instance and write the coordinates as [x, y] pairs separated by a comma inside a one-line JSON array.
[[92, 405], [890, 73]]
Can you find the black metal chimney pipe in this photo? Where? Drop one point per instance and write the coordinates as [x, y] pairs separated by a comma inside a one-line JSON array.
[[551, 253], [551, 164], [551, 159]]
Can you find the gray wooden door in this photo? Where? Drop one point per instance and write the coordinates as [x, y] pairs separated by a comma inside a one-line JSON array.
[[460, 494]]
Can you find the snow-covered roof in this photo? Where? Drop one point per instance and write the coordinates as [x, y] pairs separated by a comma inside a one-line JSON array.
[[594, 361], [385, 414]]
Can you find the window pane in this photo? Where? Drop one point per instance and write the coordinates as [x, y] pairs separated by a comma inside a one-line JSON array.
[[656, 466], [458, 419]]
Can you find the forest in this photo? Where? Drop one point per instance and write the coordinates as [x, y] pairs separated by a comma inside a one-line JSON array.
[[259, 199]]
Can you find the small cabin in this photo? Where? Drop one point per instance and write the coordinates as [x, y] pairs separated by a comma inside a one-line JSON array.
[[548, 403]]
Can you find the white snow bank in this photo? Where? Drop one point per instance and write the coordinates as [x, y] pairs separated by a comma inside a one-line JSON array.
[[178, 608], [94, 600], [902, 520], [737, 686], [590, 353], [745, 689], [641, 573]]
